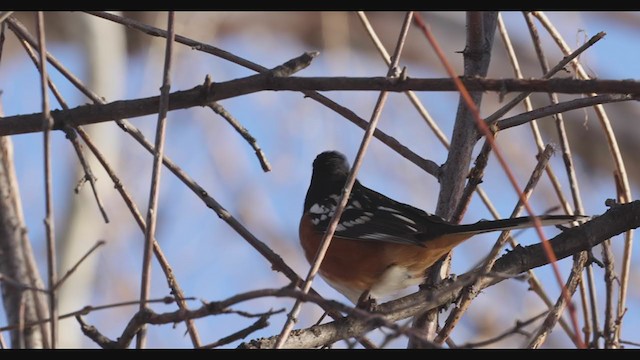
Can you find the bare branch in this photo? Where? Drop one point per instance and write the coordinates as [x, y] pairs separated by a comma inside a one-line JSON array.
[[616, 220], [261, 323], [558, 108], [346, 190], [158, 154], [426, 165], [70, 132], [75, 267], [203, 95], [47, 124], [220, 110], [471, 292], [516, 329], [620, 169]]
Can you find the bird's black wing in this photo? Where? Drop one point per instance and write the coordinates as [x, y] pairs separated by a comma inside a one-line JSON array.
[[371, 216]]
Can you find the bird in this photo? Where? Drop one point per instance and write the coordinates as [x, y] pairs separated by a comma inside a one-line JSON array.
[[381, 246]]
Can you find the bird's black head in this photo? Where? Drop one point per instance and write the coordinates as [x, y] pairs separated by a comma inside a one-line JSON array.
[[330, 170]]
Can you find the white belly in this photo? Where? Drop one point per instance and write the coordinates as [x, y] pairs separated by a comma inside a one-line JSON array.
[[393, 280]]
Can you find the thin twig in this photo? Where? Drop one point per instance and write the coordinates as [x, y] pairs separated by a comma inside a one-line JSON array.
[[410, 94], [476, 58], [482, 126], [569, 57], [18, 285], [630, 342], [77, 264], [558, 108], [618, 163], [586, 327], [471, 292], [220, 110], [616, 220], [610, 277], [609, 280], [556, 312], [261, 323], [570, 170], [147, 316], [89, 309], [593, 303], [158, 154], [47, 124], [276, 261], [534, 283], [172, 282], [390, 141], [166, 268], [277, 264], [516, 329], [69, 131], [346, 191], [88, 174]]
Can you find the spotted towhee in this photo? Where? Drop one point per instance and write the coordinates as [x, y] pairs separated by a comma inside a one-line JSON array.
[[380, 246]]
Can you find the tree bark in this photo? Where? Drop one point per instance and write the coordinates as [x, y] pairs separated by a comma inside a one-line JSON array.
[[17, 264]]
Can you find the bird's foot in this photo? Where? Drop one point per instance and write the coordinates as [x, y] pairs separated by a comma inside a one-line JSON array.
[[366, 302]]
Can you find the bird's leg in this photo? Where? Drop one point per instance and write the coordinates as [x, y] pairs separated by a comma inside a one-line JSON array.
[[324, 315], [366, 302]]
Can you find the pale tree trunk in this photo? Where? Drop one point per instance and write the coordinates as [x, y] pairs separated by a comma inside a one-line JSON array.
[[104, 46]]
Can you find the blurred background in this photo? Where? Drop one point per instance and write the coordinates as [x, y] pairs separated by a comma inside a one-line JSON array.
[[212, 262]]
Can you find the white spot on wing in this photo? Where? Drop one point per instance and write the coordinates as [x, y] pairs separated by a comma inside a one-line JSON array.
[[357, 204], [317, 209], [411, 228], [315, 221], [384, 208], [374, 236], [340, 227], [404, 218]]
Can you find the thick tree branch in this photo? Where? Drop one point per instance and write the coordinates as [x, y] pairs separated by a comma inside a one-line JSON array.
[[203, 95], [615, 221]]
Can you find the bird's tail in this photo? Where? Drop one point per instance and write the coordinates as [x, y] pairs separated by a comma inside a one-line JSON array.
[[523, 222]]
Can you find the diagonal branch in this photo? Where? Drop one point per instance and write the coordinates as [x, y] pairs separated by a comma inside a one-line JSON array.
[[158, 154], [614, 221]]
